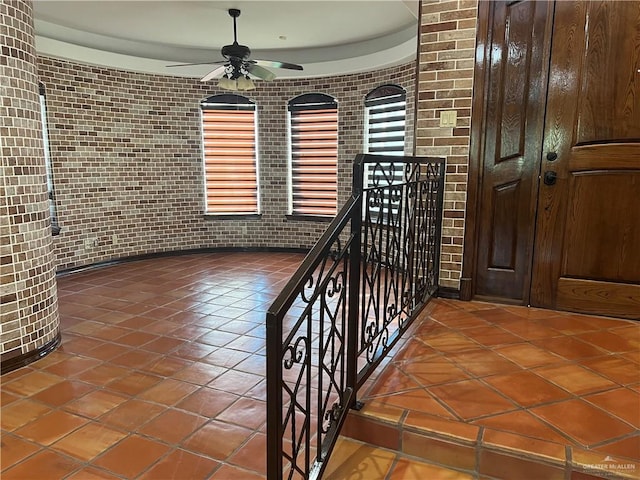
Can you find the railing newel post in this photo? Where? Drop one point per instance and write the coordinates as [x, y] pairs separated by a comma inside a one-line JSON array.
[[355, 262], [274, 393]]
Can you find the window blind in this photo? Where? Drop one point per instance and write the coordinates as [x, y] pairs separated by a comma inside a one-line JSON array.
[[314, 158], [385, 118], [230, 163]]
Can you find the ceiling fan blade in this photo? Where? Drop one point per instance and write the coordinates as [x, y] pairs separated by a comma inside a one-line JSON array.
[[214, 73], [260, 72], [201, 63], [276, 64]]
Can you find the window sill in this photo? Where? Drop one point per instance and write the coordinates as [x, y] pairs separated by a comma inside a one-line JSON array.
[[310, 218], [250, 216]]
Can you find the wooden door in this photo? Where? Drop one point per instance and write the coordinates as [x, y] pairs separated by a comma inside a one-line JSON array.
[[587, 243], [513, 103]]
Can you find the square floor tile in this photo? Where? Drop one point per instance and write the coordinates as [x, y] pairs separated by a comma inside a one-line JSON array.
[[448, 342], [200, 373], [166, 366], [529, 356], [164, 345], [252, 455], [90, 473], [45, 464], [526, 388], [583, 422], [15, 449], [132, 415], [88, 441], [628, 447], [247, 344], [51, 427], [136, 338], [246, 412], [134, 383], [530, 330], [172, 426], [575, 379], [412, 350], [168, 392], [615, 368], [218, 338], [107, 351], [208, 402], [20, 413], [483, 362], [621, 402], [63, 392], [608, 341], [102, 374], [31, 383], [415, 400], [135, 359], [235, 382], [393, 380], [96, 403], [225, 357], [568, 324], [491, 335], [73, 366], [182, 465], [217, 439], [569, 347], [471, 398], [6, 398], [132, 456], [433, 371]]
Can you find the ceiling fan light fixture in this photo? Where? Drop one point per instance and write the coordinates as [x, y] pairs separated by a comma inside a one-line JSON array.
[[245, 83], [226, 83]]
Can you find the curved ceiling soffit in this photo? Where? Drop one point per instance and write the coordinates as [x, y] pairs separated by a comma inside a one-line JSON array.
[[55, 40]]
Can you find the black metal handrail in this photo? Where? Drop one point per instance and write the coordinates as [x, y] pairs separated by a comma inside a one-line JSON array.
[[351, 299]]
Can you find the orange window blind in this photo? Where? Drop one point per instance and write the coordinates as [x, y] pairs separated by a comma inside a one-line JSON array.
[[230, 162], [314, 160]]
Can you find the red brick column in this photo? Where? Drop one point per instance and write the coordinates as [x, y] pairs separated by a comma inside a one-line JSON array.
[[29, 322]]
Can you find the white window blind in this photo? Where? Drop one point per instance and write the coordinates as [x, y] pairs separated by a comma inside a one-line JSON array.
[[385, 122]]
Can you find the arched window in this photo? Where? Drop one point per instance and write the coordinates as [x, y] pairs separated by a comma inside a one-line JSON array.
[[385, 114], [313, 166], [229, 125], [385, 119]]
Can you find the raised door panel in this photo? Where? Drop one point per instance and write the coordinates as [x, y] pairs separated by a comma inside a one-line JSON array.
[[588, 227], [511, 153]]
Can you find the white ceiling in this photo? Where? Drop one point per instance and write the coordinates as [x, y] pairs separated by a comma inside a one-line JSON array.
[[326, 37]]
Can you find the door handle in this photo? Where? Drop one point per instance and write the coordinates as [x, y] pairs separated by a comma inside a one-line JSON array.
[[550, 177], [552, 156]]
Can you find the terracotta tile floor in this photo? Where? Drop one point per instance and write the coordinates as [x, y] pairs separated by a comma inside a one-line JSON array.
[[531, 381], [161, 376]]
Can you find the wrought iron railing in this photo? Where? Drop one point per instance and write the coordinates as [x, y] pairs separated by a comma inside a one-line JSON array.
[[354, 295]]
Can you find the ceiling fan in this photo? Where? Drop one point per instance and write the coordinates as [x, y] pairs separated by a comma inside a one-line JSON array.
[[234, 71]]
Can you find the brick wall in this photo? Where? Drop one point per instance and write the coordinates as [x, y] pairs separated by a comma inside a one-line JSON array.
[[29, 314], [127, 168], [447, 50]]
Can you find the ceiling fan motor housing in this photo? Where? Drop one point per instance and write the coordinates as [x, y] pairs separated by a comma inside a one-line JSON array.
[[236, 50]]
